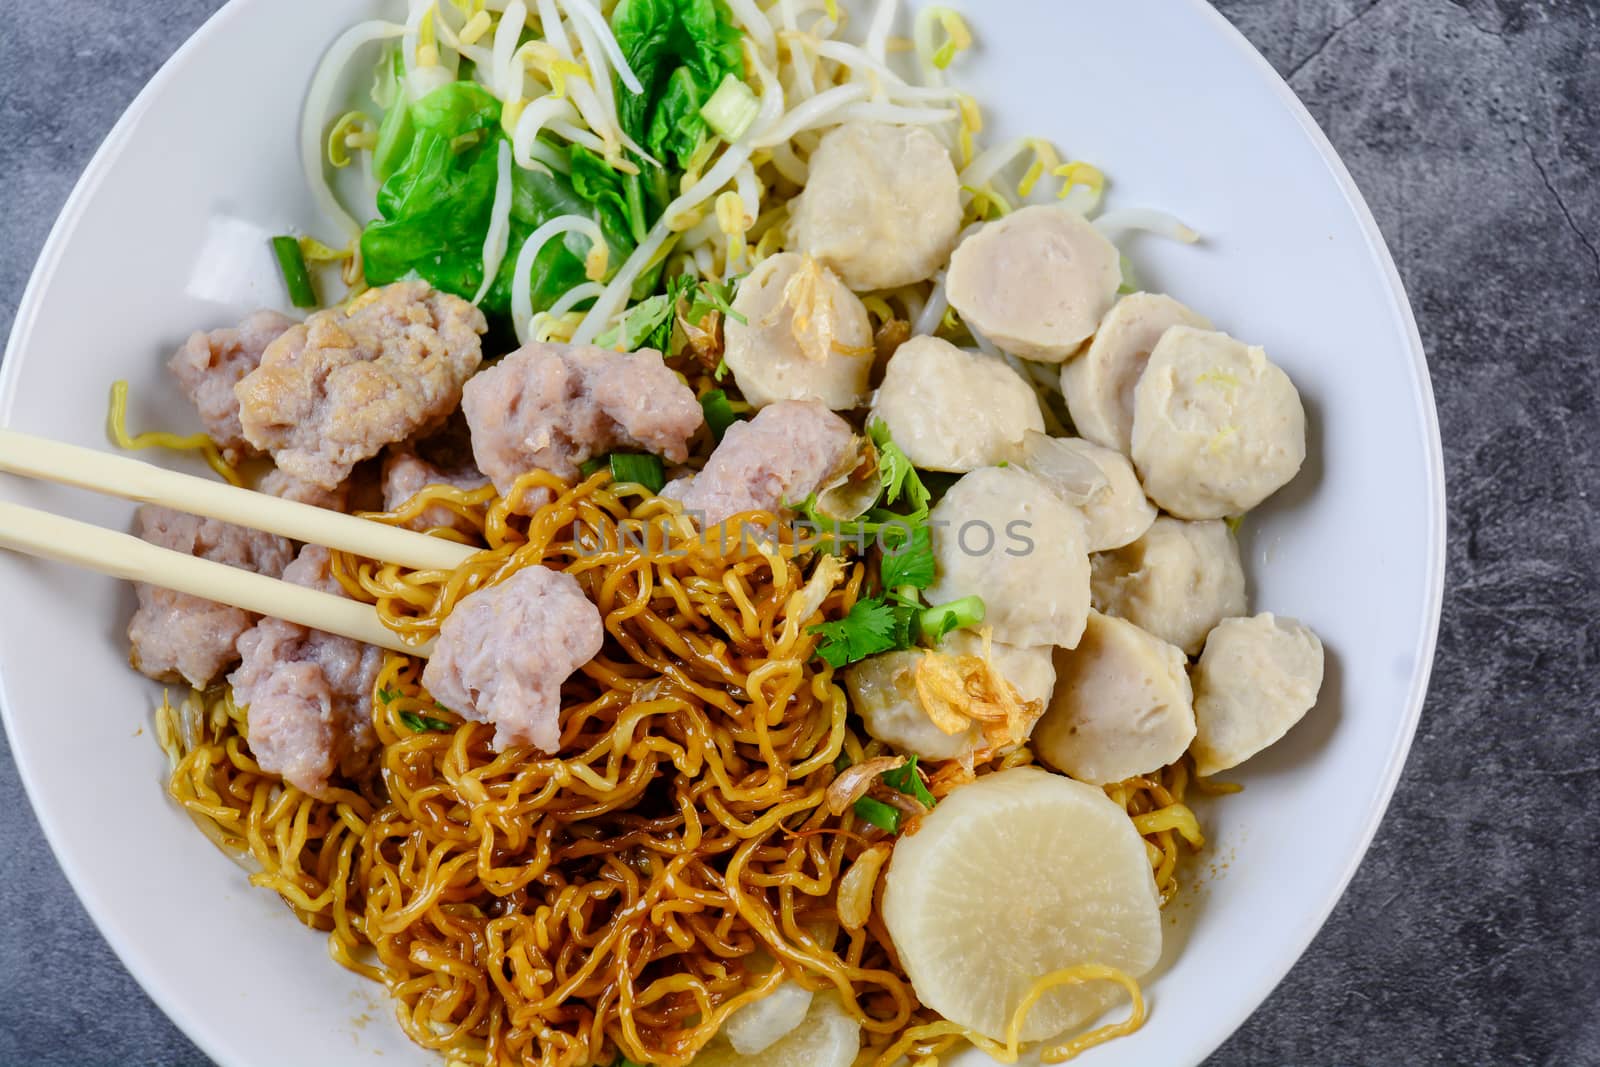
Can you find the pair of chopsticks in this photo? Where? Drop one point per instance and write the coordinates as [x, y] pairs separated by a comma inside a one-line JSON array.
[[122, 555]]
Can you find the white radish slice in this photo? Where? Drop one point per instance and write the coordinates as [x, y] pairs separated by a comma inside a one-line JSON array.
[[1018, 875], [1122, 705], [762, 1023], [1256, 679], [827, 1037]]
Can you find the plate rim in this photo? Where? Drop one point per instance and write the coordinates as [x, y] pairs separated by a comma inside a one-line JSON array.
[[1287, 953]]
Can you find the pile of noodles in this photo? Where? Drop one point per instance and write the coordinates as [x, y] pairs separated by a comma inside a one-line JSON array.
[[611, 900]]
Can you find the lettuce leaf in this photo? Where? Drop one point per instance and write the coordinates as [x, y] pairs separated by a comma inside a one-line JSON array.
[[440, 169], [681, 50]]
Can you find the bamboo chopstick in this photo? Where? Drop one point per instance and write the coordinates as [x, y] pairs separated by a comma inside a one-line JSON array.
[[102, 472], [39, 533]]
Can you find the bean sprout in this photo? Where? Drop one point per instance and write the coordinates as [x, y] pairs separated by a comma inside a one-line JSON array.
[[499, 235]]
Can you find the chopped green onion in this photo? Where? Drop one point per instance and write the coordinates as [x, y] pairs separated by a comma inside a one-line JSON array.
[[387, 695], [719, 412], [884, 816], [940, 619], [590, 467], [731, 109], [302, 294], [639, 469], [420, 724]]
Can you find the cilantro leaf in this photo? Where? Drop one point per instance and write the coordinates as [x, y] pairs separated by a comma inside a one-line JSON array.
[[425, 724], [895, 470], [905, 779], [872, 626], [638, 326], [715, 296], [908, 561]]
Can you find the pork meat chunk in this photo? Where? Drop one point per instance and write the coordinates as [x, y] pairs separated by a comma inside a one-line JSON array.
[[277, 483], [178, 636], [787, 452], [553, 406], [337, 389], [309, 693], [505, 650], [209, 365], [407, 473]]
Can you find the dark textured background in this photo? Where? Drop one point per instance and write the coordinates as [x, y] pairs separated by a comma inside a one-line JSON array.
[[1472, 932]]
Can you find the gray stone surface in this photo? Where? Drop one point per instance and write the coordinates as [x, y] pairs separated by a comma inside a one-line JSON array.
[[1471, 933]]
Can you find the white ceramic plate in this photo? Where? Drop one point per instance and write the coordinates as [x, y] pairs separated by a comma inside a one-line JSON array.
[[160, 237]]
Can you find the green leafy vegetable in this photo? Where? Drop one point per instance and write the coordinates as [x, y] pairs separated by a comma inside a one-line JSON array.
[[872, 626], [884, 816], [395, 131], [681, 51], [905, 779], [425, 723], [908, 562], [606, 189], [935, 622], [902, 505], [440, 172], [731, 109], [719, 412], [638, 468], [899, 477], [638, 326], [714, 296], [302, 294]]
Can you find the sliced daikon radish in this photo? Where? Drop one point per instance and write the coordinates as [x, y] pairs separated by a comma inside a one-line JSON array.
[[762, 1023], [1018, 875], [826, 1037]]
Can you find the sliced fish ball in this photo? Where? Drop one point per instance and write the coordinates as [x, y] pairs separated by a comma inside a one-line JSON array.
[[883, 691], [1001, 534], [1015, 876], [1099, 481], [1122, 705], [762, 1023], [1036, 282], [882, 206], [804, 336], [826, 1037], [953, 410], [1098, 385], [1177, 581], [1217, 427], [1256, 678]]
